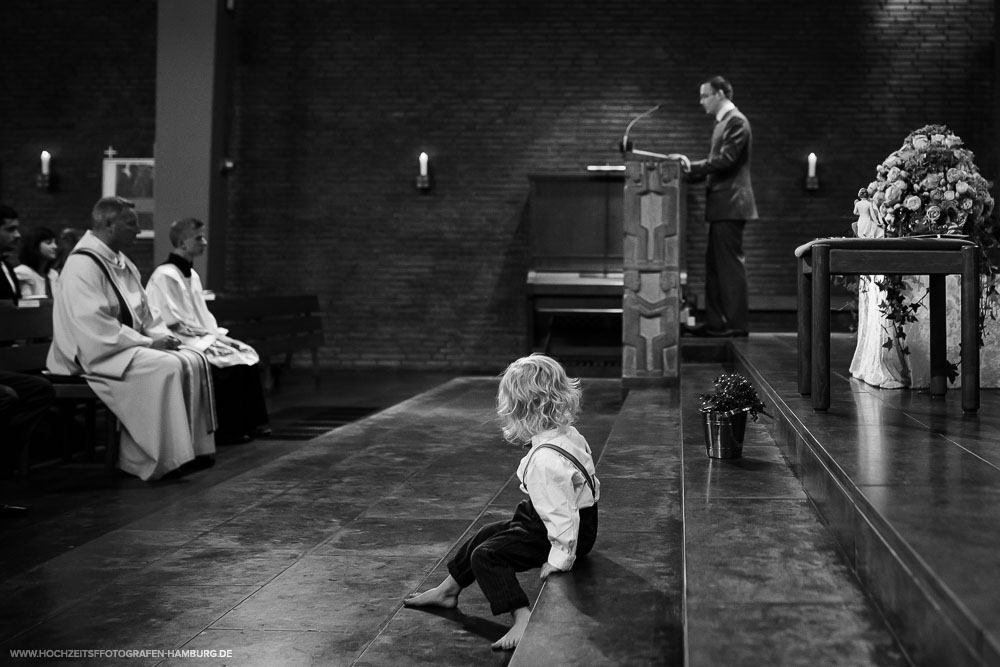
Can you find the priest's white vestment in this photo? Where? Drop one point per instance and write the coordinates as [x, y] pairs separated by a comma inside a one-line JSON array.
[[163, 399], [180, 303]]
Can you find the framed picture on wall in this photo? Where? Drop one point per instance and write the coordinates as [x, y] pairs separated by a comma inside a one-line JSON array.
[[133, 179]]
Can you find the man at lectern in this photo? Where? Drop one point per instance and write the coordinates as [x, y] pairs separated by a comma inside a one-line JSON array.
[[729, 203]]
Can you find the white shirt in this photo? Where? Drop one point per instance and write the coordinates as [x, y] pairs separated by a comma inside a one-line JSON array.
[[32, 282], [724, 108], [558, 490]]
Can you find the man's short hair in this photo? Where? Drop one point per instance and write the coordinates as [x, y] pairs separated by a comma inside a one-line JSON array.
[[180, 228], [719, 83], [7, 213], [109, 209]]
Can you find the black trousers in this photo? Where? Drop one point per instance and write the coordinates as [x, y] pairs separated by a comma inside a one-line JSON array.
[[239, 399], [726, 300], [498, 551], [23, 402]]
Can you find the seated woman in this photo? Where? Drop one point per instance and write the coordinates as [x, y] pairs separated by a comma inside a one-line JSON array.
[[174, 289], [35, 273]]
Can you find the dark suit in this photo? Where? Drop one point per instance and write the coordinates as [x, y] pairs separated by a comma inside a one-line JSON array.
[[729, 203], [7, 292], [23, 402], [23, 398]]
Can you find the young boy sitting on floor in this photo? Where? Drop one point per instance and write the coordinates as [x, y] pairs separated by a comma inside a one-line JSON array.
[[537, 405]]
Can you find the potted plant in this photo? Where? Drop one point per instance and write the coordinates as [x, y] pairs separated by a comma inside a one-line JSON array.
[[726, 411]]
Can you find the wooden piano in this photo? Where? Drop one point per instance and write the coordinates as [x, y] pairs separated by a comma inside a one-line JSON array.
[[575, 245]]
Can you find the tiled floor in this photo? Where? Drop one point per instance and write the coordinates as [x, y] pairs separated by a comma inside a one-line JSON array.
[[299, 549]]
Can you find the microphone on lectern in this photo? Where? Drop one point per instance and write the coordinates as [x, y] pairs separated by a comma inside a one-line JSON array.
[[626, 146]]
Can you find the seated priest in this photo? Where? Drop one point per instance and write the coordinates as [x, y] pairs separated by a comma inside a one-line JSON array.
[[105, 330], [175, 291]]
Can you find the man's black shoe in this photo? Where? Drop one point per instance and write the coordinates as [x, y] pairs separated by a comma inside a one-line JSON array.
[[12, 510], [727, 333], [199, 463], [698, 330]]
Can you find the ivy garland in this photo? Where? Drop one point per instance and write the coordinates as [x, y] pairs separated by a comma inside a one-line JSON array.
[[931, 186]]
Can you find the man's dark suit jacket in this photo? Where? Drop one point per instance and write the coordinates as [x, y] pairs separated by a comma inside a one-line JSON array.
[[727, 170], [6, 294]]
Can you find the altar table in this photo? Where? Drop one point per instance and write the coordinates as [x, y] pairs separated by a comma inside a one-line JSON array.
[[934, 257]]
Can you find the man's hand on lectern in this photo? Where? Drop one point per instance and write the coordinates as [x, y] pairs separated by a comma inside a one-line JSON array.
[[685, 162]]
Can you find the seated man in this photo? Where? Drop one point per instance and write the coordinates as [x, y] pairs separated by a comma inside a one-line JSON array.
[[10, 239], [23, 402], [175, 291], [104, 330]]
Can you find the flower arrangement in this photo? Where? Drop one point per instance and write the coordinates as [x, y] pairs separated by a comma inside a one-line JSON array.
[[931, 186], [733, 393]]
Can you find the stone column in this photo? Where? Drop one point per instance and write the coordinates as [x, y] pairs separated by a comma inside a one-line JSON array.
[[192, 89], [654, 217]]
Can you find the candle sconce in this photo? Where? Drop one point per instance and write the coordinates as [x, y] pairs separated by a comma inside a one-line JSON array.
[[45, 180], [424, 176], [812, 182]]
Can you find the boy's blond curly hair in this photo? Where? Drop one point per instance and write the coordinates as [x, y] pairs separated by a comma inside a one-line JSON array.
[[536, 395]]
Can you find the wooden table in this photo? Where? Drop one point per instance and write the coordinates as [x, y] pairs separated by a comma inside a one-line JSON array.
[[933, 257]]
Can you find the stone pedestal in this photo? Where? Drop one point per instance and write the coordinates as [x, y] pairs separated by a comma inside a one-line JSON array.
[[653, 257]]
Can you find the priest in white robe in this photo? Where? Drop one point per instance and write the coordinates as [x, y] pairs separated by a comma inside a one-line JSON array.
[[104, 330], [176, 294]]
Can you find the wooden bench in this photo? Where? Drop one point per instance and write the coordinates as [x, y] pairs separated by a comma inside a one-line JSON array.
[[25, 336], [822, 258], [273, 325]]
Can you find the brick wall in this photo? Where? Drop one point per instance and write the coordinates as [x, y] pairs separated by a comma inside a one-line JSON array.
[[335, 100], [77, 77]]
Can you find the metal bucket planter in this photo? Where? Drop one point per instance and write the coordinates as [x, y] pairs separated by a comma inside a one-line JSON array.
[[724, 433]]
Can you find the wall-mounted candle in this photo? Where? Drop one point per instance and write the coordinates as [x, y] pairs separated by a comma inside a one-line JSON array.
[[46, 157], [423, 164], [812, 165]]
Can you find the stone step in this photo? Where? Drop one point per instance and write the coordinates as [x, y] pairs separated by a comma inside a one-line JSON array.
[[703, 562], [622, 604], [907, 484], [767, 583]]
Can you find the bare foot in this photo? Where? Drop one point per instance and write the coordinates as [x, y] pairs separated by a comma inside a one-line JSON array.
[[444, 594], [510, 640]]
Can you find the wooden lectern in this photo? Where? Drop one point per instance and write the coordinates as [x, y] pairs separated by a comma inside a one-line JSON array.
[[654, 219]]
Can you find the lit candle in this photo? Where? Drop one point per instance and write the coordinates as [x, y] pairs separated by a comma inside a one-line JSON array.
[[812, 165], [423, 164], [46, 156]]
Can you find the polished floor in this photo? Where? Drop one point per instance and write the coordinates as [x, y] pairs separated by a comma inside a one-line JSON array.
[[298, 550], [910, 486]]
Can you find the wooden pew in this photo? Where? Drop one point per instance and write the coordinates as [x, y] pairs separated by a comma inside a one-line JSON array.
[[25, 336], [273, 325]]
